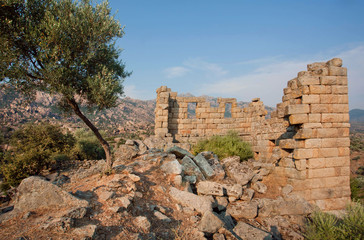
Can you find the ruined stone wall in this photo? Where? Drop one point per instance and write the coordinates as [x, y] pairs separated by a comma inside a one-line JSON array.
[[307, 136]]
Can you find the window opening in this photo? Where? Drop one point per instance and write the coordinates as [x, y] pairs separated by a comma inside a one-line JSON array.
[[191, 110], [227, 113]]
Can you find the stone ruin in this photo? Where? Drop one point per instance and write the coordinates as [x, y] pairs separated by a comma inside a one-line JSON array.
[[306, 137]]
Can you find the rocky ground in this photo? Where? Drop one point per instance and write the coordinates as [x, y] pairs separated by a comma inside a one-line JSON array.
[[154, 194]]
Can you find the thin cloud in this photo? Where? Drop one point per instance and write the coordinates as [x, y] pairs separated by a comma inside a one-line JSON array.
[[207, 67], [133, 92], [175, 72]]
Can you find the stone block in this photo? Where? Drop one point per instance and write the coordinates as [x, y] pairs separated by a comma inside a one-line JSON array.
[[306, 133], [335, 117], [336, 203], [333, 80], [320, 89], [344, 151], [328, 193], [297, 109], [327, 133], [310, 99], [320, 108], [302, 153], [298, 118], [301, 164], [337, 71], [321, 172], [314, 118], [307, 80], [342, 171], [210, 188], [343, 132], [313, 143], [328, 152], [339, 89], [336, 62], [337, 181], [340, 108], [312, 125], [287, 143], [316, 162]]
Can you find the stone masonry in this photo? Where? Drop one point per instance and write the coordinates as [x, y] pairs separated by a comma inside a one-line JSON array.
[[306, 137]]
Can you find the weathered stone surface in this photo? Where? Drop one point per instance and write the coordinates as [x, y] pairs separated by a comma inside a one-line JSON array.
[[259, 187], [142, 222], [125, 152], [180, 152], [241, 173], [248, 194], [204, 166], [199, 203], [210, 223], [210, 188], [248, 232], [106, 195], [161, 216], [214, 162], [34, 193], [172, 167], [240, 209], [87, 231], [233, 190], [141, 147], [191, 169]]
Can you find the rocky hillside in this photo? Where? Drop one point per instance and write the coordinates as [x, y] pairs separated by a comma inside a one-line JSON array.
[[155, 194], [130, 114]]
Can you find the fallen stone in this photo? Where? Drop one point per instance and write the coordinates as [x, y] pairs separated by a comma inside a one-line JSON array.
[[124, 202], [199, 203], [34, 193], [259, 187], [172, 167], [106, 195], [239, 172], [191, 169], [125, 152], [218, 236], [180, 152], [222, 203], [248, 232], [240, 209], [204, 166], [190, 179], [143, 149], [287, 190], [88, 231], [134, 178], [213, 160], [76, 213], [129, 142], [177, 180], [210, 188], [161, 216], [142, 222], [227, 161], [233, 190], [248, 194], [210, 223], [115, 209]]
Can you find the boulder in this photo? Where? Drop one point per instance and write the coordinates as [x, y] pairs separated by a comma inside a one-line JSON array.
[[35, 192], [180, 152], [210, 223], [239, 172], [259, 187], [214, 162], [191, 169], [240, 209], [142, 222], [210, 188], [172, 167], [142, 147], [199, 203], [125, 153], [204, 166], [248, 232], [87, 231]]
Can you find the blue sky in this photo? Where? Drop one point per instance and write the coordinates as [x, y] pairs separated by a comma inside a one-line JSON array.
[[242, 49]]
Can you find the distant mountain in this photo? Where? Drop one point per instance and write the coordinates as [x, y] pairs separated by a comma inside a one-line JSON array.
[[356, 115]]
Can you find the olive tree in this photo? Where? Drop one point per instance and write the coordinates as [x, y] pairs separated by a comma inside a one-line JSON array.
[[65, 48]]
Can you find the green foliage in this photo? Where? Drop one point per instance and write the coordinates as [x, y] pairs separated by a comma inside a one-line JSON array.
[[327, 226], [357, 188], [225, 146], [87, 146], [36, 147], [356, 143]]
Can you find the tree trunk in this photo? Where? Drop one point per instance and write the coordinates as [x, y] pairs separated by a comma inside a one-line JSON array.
[[102, 141]]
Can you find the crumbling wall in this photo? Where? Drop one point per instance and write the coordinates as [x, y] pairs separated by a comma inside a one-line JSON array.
[[307, 136]]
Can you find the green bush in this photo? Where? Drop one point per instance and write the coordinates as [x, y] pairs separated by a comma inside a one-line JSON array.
[[87, 146], [225, 146], [327, 226], [357, 188], [34, 149]]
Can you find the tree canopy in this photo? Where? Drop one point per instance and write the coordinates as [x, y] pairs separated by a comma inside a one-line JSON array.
[[63, 47]]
